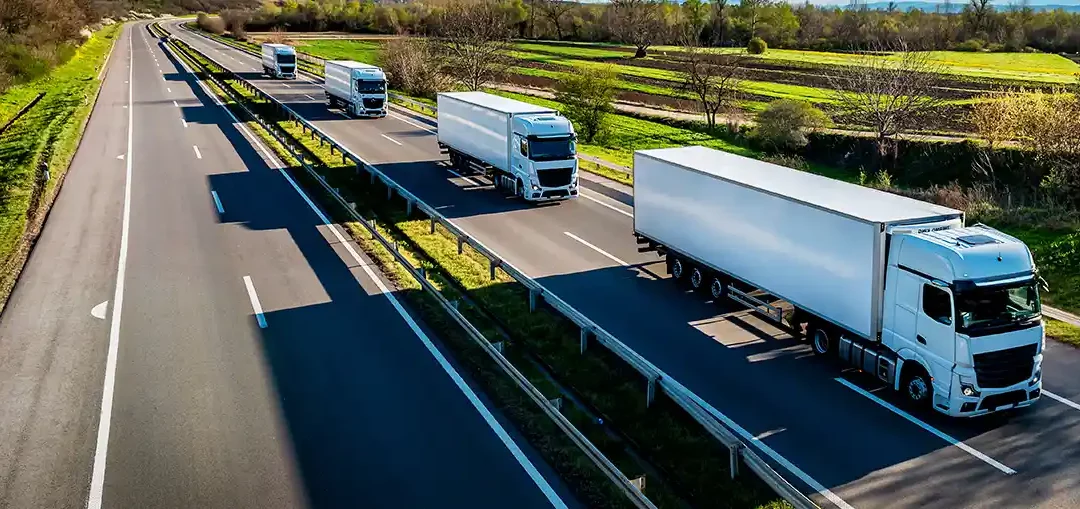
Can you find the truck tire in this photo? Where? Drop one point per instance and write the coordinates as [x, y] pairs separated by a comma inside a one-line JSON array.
[[697, 278], [822, 339], [677, 269], [717, 289], [915, 385]]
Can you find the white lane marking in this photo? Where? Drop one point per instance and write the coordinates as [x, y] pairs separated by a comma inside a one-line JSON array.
[[197, 153], [414, 124], [255, 305], [286, 86], [185, 123], [391, 139], [121, 157], [608, 205], [342, 114], [492, 423], [1059, 399], [168, 89], [174, 103], [101, 449], [99, 310], [217, 202], [309, 97], [940, 434], [462, 177], [597, 249]]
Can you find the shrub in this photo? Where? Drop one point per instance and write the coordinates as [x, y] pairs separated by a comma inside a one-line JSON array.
[[757, 46], [414, 67], [970, 45], [213, 25], [995, 47], [587, 95], [784, 123]]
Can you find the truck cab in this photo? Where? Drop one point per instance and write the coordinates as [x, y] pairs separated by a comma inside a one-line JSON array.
[[962, 312], [279, 61], [369, 92], [545, 156]]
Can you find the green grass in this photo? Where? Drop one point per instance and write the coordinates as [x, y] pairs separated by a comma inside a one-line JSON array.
[[361, 51], [688, 456], [1057, 255], [50, 132], [1061, 331]]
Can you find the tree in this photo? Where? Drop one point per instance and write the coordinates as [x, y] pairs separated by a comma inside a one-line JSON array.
[[474, 39], [554, 11], [977, 12], [697, 15], [750, 14], [214, 25], [994, 119], [784, 123], [414, 66], [719, 22], [712, 79], [889, 95], [587, 95], [638, 22]]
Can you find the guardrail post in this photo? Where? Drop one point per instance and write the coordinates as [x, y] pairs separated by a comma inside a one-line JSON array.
[[389, 192], [408, 208], [532, 300], [432, 226], [423, 273], [491, 268], [372, 178], [733, 458], [650, 391], [584, 340], [639, 483], [460, 243], [498, 346], [343, 160], [557, 403]]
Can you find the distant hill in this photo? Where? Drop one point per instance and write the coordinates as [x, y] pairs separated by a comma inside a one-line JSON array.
[[959, 6]]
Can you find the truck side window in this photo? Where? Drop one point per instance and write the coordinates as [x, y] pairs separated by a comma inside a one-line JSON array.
[[524, 147], [937, 304]]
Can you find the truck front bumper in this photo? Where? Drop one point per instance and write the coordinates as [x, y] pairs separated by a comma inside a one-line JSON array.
[[985, 401], [552, 193]]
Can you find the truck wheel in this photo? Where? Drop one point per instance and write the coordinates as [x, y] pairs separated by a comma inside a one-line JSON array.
[[822, 340], [717, 289], [916, 386], [697, 279], [677, 269]]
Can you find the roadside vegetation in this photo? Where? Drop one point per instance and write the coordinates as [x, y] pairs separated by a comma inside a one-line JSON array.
[[602, 397], [37, 148]]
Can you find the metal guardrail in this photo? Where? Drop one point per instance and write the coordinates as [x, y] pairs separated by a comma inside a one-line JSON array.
[[700, 411], [633, 494]]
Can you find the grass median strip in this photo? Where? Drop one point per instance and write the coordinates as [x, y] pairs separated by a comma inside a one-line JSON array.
[[45, 139], [692, 465]]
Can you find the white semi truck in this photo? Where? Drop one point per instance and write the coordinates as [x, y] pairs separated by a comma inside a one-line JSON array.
[[279, 61], [946, 314], [527, 150], [357, 88]]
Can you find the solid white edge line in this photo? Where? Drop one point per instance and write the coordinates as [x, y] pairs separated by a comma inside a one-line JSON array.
[[185, 123], [217, 202], [1059, 399], [489, 419], [391, 139], [608, 205], [197, 153], [255, 304], [918, 422], [597, 249], [414, 124], [101, 449]]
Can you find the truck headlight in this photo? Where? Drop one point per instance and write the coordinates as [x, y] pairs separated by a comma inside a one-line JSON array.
[[1037, 378], [535, 187], [968, 391]]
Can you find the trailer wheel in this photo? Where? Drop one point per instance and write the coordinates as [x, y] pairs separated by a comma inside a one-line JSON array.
[[717, 289], [678, 269], [822, 340], [697, 278], [916, 385]]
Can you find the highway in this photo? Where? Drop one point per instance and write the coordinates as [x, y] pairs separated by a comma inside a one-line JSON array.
[[191, 332], [834, 434]]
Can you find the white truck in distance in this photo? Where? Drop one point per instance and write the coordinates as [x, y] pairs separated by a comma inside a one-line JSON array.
[[357, 88], [527, 150], [946, 314], [279, 61]]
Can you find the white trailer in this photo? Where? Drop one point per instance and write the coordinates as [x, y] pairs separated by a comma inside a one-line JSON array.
[[279, 61], [528, 151], [357, 88], [948, 315]]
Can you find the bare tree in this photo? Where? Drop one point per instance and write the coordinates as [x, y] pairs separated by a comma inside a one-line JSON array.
[[638, 22], [713, 79], [474, 37], [978, 11], [718, 19], [888, 94], [554, 10]]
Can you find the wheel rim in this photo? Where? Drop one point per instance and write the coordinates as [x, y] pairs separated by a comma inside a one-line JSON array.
[[917, 389], [677, 269], [716, 289], [821, 341], [695, 278]]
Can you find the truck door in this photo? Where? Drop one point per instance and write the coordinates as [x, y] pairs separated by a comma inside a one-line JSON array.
[[519, 157], [935, 331]]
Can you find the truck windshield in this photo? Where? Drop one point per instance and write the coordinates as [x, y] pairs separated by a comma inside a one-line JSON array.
[[988, 310], [551, 149], [370, 86], [286, 58]]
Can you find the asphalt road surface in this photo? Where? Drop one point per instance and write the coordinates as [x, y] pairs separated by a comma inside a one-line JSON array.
[[255, 358], [834, 434]]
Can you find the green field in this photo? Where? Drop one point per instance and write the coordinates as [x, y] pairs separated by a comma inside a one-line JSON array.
[[49, 132], [331, 49]]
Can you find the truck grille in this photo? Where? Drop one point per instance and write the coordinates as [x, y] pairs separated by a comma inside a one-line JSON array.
[[1005, 367], [1007, 398], [373, 103], [555, 177]]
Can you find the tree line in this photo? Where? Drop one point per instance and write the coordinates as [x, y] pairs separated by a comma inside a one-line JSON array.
[[974, 25]]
